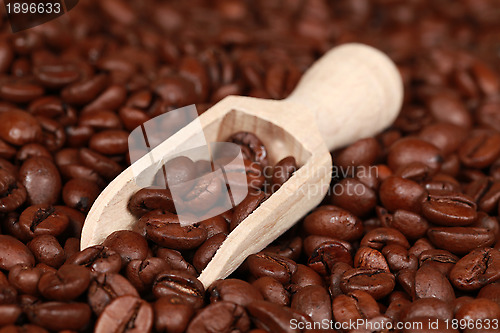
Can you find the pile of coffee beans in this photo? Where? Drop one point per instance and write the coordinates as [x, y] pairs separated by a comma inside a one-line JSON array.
[[408, 234]]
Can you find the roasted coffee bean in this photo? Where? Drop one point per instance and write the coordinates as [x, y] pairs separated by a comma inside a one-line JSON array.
[[334, 222], [57, 316], [104, 166], [9, 314], [377, 283], [220, 317], [398, 258], [12, 192], [430, 282], [379, 238], [173, 234], [128, 244], [207, 250], [397, 193], [235, 291], [146, 200], [271, 317], [172, 314], [19, 128], [8, 293], [363, 152], [355, 197], [480, 149], [253, 149], [107, 287], [126, 314], [98, 259], [272, 290], [289, 248], [354, 306], [175, 260], [479, 310], [490, 291], [47, 250], [445, 136], [449, 208], [408, 150], [411, 225], [84, 91], [42, 180], [313, 301], [181, 284], [246, 207], [42, 220], [110, 142], [141, 273], [69, 282], [80, 194], [476, 269], [324, 257], [305, 276], [32, 150], [276, 266], [25, 278], [13, 252], [282, 171], [460, 240]]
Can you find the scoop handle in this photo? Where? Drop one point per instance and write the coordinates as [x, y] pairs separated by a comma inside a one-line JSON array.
[[354, 91]]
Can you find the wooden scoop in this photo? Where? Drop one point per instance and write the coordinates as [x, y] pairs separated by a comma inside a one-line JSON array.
[[354, 91]]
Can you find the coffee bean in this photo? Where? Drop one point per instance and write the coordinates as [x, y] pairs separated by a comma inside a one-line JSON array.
[[476, 269], [267, 264], [57, 316], [126, 314], [110, 142], [398, 193], [107, 287], [142, 273], [42, 220], [181, 284], [460, 240], [272, 290], [313, 301], [172, 314], [408, 150], [25, 278], [19, 128], [235, 291], [376, 283], [128, 244], [13, 252], [334, 222], [13, 192], [207, 250], [98, 259], [42, 181], [69, 282], [220, 317], [449, 208], [47, 250]]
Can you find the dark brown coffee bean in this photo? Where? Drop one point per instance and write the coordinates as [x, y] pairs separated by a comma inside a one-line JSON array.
[[57, 316], [267, 264], [246, 207], [12, 192], [313, 301], [126, 314], [379, 238], [104, 166], [47, 250], [42, 220], [411, 225], [355, 306], [13, 252], [479, 310], [107, 287], [480, 149], [363, 152], [110, 99], [98, 259], [334, 222], [282, 171], [398, 258], [20, 92], [449, 109], [207, 250], [19, 128], [175, 260], [85, 91], [305, 276], [271, 317], [397, 193], [181, 284], [449, 208], [355, 197], [32, 150], [326, 255], [220, 317], [460, 240], [57, 75], [476, 269], [146, 200], [235, 291], [172, 314], [142, 273], [376, 283], [172, 234], [215, 225], [80, 194], [42, 180], [490, 291], [253, 149], [9, 314], [110, 142], [272, 290], [128, 244], [367, 257], [409, 150], [429, 282], [8, 293], [25, 278], [69, 282], [98, 120]]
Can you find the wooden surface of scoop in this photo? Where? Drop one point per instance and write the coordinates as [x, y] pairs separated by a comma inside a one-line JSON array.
[[352, 92]]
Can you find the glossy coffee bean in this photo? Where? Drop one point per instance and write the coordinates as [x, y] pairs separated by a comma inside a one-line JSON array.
[[126, 314], [179, 283], [173, 235], [19, 128], [128, 244], [69, 282], [313, 301], [276, 266], [13, 252], [221, 317], [57, 316], [334, 222], [460, 240], [80, 194], [25, 278], [207, 250], [476, 269], [175, 260], [376, 283], [283, 170], [142, 273], [478, 310], [109, 142], [408, 150], [42, 220], [355, 197], [251, 146], [13, 192], [430, 282], [172, 314], [47, 250], [98, 259], [235, 291], [398, 193], [104, 288], [41, 179], [272, 290], [449, 208]]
